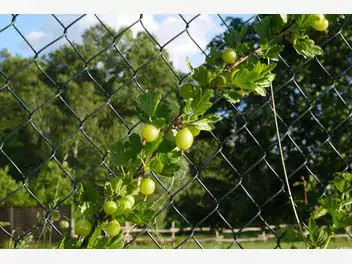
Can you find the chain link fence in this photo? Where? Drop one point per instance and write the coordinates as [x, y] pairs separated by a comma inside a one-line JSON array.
[[249, 164]]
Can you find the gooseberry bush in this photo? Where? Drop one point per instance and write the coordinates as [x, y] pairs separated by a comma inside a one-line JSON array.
[[332, 214], [242, 68]]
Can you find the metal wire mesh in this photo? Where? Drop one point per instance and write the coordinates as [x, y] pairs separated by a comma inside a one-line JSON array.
[[248, 118]]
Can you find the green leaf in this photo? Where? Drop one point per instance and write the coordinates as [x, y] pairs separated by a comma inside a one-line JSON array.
[[319, 212], [347, 202], [273, 52], [342, 219], [135, 145], [243, 48], [263, 28], [147, 103], [189, 66], [214, 56], [347, 176], [233, 96], [265, 76], [188, 106], [202, 75], [119, 155], [260, 91], [205, 123], [169, 142], [116, 242], [265, 81], [319, 237], [169, 170], [229, 76], [306, 47], [343, 185], [90, 192], [101, 243], [284, 18], [108, 190], [305, 20], [169, 163], [150, 147], [290, 236], [346, 221], [93, 240], [131, 185], [212, 118], [244, 79], [162, 112], [62, 243], [233, 37], [312, 226], [330, 204], [159, 122], [169, 158], [201, 102], [72, 243], [263, 69], [263, 43], [155, 165], [140, 215], [118, 186]]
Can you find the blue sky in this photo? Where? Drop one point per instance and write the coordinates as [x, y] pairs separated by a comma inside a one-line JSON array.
[[40, 30]]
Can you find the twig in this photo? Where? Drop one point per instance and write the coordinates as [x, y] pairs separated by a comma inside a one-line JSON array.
[[305, 190], [283, 164], [259, 50], [242, 59]]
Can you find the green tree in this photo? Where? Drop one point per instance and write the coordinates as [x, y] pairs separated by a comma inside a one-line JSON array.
[[51, 185], [14, 191]]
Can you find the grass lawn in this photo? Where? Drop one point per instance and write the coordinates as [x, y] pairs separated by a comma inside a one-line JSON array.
[[269, 244]]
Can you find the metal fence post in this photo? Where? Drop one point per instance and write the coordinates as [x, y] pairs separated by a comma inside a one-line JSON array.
[[12, 219]]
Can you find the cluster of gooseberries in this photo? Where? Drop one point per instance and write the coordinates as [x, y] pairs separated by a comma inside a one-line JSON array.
[[183, 138], [124, 204]]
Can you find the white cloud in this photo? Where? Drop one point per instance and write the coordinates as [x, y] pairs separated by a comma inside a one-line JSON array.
[[35, 35], [202, 29]]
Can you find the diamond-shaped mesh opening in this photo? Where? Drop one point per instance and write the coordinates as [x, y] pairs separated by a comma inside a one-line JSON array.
[[343, 51], [99, 123], [306, 142], [329, 160], [38, 39], [9, 32], [122, 105], [40, 148], [322, 110], [243, 161], [56, 188], [339, 139], [258, 186], [79, 145], [208, 144], [165, 80]]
